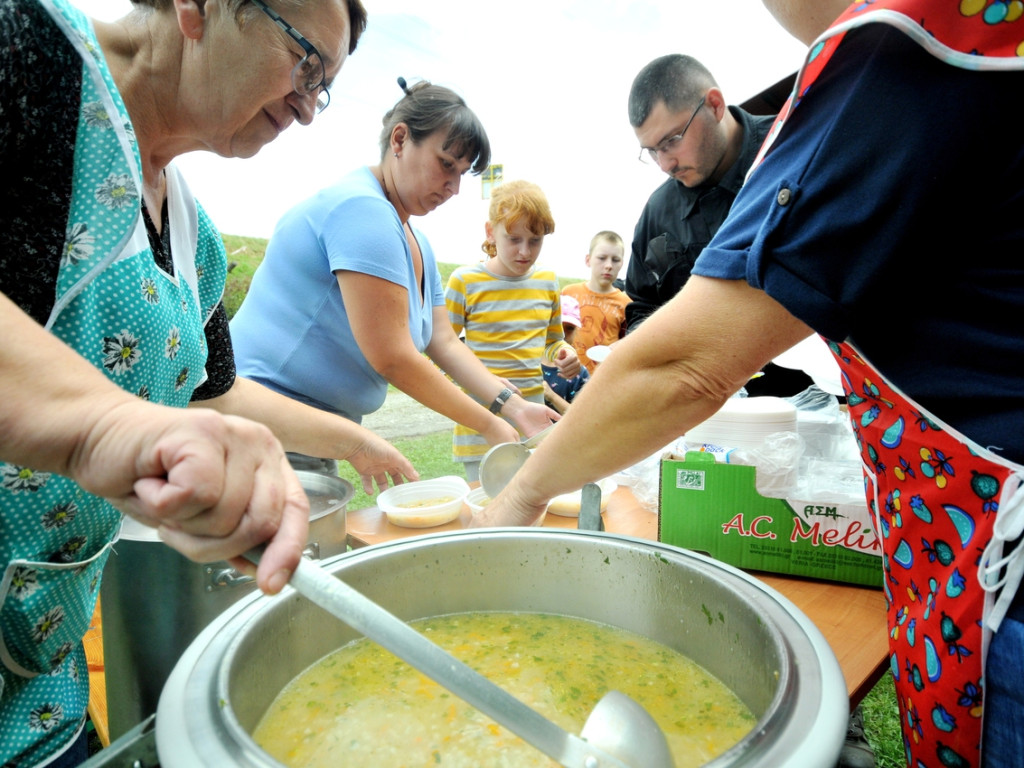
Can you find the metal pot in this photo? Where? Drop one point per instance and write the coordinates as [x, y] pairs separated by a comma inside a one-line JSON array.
[[155, 601], [751, 637]]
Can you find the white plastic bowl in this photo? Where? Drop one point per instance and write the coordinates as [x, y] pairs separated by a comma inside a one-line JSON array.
[[425, 503], [477, 499]]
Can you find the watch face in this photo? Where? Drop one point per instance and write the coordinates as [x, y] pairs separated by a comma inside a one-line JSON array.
[[500, 400]]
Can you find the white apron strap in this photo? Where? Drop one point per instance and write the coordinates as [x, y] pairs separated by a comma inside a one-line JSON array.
[[1000, 574]]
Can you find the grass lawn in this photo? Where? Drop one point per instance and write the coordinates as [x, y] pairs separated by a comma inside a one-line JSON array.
[[244, 255], [431, 455], [882, 724]]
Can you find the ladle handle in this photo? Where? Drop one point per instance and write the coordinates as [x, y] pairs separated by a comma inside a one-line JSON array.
[[376, 623]]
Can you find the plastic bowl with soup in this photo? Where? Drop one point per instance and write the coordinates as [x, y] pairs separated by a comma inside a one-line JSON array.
[[424, 503], [477, 499]]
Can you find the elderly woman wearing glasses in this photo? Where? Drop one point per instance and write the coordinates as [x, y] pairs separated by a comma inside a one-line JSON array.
[[348, 297], [111, 278]]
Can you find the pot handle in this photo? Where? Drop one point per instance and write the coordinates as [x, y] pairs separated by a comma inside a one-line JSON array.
[[223, 576]]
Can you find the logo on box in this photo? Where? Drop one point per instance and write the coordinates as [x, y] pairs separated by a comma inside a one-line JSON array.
[[690, 479]]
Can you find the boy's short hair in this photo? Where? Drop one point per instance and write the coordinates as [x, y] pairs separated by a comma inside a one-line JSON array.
[[516, 200], [611, 237]]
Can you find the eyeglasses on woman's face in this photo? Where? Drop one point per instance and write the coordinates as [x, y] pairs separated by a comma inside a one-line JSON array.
[[670, 143], [308, 76]]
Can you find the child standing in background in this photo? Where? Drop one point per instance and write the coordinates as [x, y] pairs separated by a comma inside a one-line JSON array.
[[559, 392], [602, 305], [511, 312]]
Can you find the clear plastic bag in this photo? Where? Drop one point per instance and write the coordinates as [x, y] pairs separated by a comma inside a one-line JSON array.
[[644, 477], [777, 460], [823, 434], [824, 426], [835, 482]]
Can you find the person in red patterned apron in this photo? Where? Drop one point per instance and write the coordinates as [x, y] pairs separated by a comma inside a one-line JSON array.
[[945, 507], [883, 215]]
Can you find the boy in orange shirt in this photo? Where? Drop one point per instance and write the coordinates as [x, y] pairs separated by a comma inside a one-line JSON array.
[[602, 305]]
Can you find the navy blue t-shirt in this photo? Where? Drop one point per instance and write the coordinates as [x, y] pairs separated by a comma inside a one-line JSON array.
[[889, 213], [567, 389]]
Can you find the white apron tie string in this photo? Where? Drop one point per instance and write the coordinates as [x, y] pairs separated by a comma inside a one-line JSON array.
[[1000, 575]]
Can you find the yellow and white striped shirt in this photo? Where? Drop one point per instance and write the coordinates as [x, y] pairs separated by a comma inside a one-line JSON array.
[[512, 324]]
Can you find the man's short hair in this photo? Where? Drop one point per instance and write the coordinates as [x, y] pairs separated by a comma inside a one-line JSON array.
[[676, 79]]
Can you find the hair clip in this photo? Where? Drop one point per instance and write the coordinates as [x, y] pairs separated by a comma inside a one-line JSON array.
[[402, 85]]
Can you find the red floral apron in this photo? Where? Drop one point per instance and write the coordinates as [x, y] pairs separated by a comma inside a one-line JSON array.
[[943, 506]]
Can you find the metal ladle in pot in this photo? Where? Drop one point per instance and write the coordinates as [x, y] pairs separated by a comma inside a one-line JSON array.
[[618, 733], [504, 459]]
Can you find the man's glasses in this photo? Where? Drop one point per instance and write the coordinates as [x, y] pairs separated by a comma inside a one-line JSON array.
[[308, 76], [650, 154]]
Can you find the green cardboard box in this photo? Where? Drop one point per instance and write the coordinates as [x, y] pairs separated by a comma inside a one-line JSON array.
[[715, 508]]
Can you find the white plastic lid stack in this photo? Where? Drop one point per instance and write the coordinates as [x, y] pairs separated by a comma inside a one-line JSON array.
[[744, 422]]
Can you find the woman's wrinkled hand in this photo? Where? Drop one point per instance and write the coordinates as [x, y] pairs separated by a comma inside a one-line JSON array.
[[513, 506], [214, 486]]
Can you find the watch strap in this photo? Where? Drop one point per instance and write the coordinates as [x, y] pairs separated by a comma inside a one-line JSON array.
[[500, 400]]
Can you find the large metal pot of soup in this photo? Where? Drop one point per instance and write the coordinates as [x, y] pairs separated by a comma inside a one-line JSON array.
[[748, 635], [155, 601]]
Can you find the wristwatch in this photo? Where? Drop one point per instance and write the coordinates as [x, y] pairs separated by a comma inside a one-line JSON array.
[[500, 400]]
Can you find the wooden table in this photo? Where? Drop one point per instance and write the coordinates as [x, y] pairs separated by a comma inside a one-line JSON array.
[[851, 618]]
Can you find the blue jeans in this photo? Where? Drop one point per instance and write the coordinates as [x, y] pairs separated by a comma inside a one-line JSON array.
[[1002, 743]]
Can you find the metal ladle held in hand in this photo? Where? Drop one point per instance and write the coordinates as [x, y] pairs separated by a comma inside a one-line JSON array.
[[618, 734], [504, 459]]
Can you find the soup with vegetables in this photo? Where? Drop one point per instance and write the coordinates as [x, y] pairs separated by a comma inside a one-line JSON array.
[[426, 503], [362, 706]]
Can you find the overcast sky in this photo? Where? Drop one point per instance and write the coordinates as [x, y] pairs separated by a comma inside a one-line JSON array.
[[548, 78]]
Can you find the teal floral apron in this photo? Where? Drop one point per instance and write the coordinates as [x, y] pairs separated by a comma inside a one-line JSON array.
[[944, 508], [143, 328]]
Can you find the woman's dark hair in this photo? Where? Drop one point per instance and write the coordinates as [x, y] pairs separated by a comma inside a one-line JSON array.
[[428, 108]]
